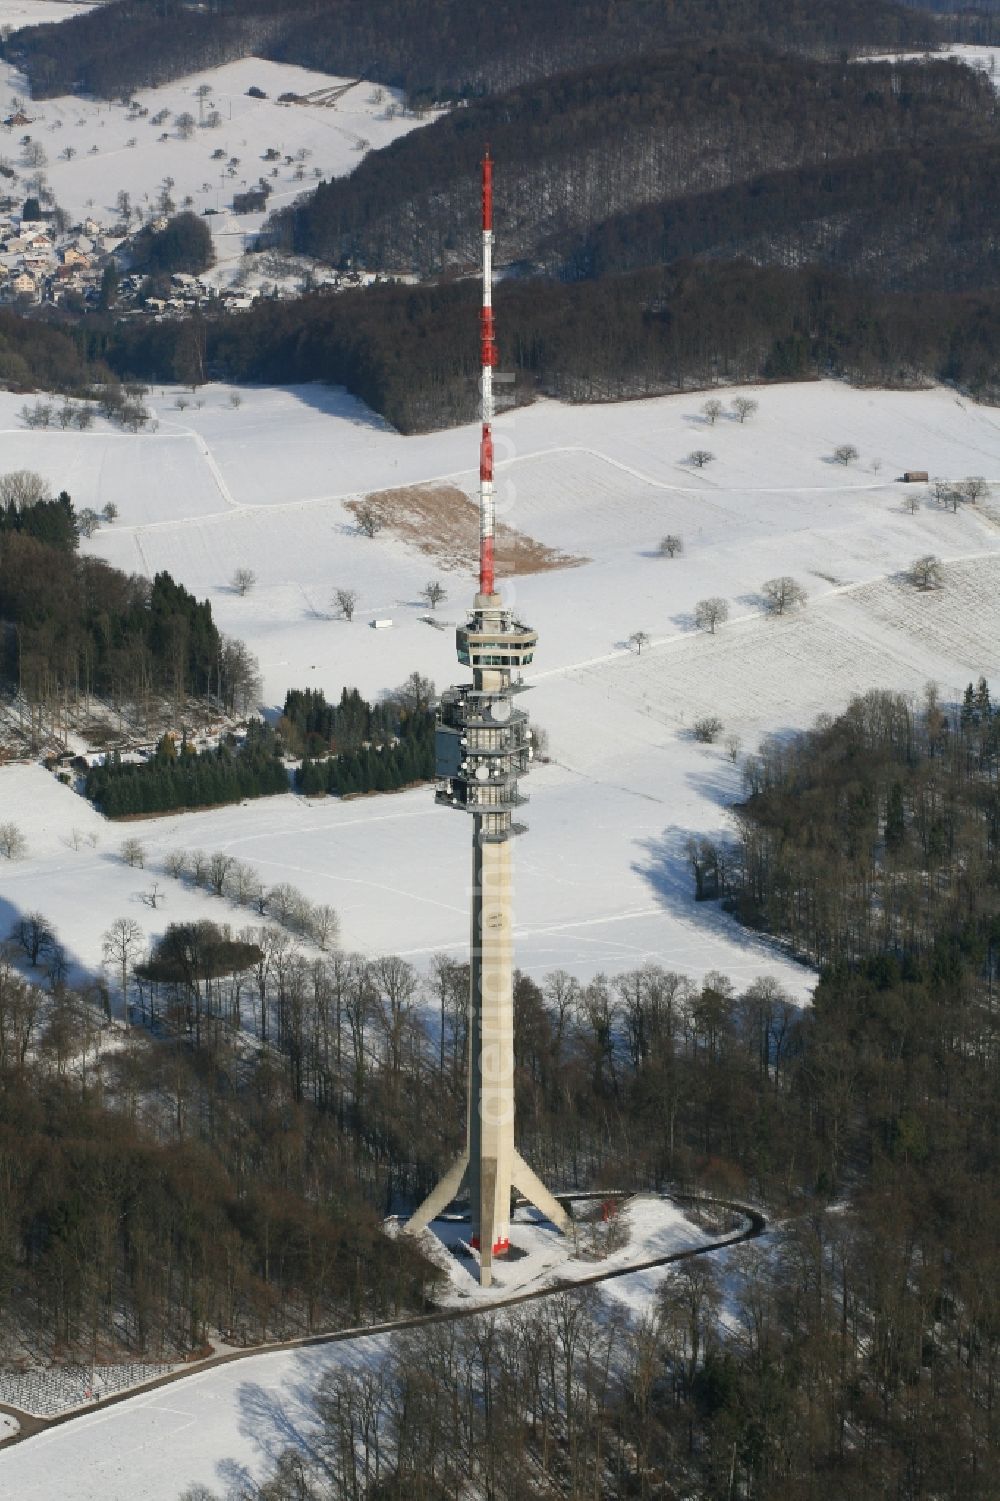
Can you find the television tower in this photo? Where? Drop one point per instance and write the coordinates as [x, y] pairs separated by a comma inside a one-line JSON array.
[[482, 746]]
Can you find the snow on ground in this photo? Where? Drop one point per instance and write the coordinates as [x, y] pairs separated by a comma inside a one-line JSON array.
[[115, 152], [17, 13], [226, 1425], [986, 59], [214, 1428], [9, 1427], [652, 1226], [601, 880]]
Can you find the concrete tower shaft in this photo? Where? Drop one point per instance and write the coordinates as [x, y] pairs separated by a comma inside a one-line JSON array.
[[483, 744]]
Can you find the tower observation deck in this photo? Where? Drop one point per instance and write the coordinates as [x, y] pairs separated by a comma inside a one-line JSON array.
[[483, 746]]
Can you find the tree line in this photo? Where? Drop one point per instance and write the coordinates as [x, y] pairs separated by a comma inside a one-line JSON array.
[[74, 627], [375, 769], [858, 1353], [905, 219], [412, 353], [579, 149], [867, 1343], [128, 1231], [311, 726], [893, 811], [455, 50], [377, 747], [181, 777]]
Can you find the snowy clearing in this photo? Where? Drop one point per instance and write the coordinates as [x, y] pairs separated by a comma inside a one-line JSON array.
[[986, 59], [602, 883], [650, 1226], [114, 150], [17, 13]]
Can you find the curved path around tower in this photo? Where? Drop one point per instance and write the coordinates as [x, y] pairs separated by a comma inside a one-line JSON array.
[[754, 1226]]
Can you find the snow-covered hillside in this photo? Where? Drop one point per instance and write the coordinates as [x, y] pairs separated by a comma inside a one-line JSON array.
[[17, 13], [986, 59], [602, 881], [95, 149]]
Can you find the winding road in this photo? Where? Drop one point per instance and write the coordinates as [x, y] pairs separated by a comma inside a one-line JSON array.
[[754, 1226]]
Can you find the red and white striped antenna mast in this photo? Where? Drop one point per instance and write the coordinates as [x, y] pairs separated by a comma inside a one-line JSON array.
[[488, 355]]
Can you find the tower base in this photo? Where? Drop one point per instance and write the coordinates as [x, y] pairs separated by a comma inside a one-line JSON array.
[[523, 1178]]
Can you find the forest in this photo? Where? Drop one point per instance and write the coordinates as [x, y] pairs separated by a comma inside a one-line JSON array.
[[412, 353], [857, 1353], [861, 1346], [579, 149], [376, 747], [901, 813], [449, 50], [178, 776], [75, 628]]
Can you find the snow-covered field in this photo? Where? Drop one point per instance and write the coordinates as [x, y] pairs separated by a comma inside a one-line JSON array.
[[113, 151], [986, 59], [601, 879], [17, 13]]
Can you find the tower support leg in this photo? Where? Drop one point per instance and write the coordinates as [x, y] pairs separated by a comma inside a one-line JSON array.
[[527, 1181], [440, 1197]]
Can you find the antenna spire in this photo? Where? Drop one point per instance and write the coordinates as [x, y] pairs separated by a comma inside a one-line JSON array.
[[488, 360]]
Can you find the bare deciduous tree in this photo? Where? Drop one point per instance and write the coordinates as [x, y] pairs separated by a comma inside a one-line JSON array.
[[708, 613], [34, 934], [670, 546], [707, 728], [243, 580], [974, 488], [368, 518], [345, 602], [712, 410], [911, 504], [325, 926], [22, 487], [133, 852], [744, 407], [926, 572], [637, 641], [110, 512], [219, 866], [946, 494], [119, 946], [88, 521], [845, 453], [242, 882], [782, 594], [699, 457], [416, 694], [13, 844]]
